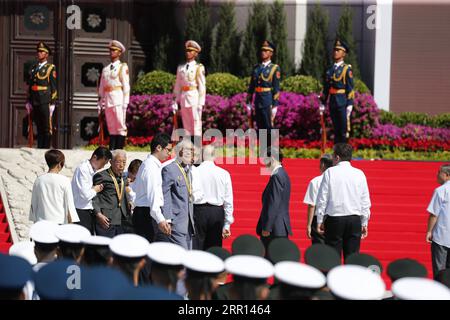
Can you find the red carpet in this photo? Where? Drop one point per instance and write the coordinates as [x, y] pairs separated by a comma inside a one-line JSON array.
[[5, 236], [399, 190]]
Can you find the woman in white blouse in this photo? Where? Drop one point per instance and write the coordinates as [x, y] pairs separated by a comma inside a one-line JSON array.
[[52, 197]]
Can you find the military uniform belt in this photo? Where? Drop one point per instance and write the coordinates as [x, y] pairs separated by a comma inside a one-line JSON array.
[[262, 89], [188, 88], [109, 89], [39, 88], [336, 91]]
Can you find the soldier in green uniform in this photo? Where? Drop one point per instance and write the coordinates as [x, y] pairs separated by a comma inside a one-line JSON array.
[[42, 95]]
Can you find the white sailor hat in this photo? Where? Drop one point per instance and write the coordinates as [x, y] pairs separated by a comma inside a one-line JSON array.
[[353, 282], [203, 262], [411, 288], [44, 232], [193, 45], [97, 240], [71, 233], [117, 45], [249, 267], [166, 253], [299, 275], [24, 249], [129, 245]]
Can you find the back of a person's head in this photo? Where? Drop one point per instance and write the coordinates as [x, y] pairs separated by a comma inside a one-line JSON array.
[[53, 157], [134, 166], [275, 153], [102, 153], [209, 152], [445, 168], [160, 139], [344, 151], [326, 161]]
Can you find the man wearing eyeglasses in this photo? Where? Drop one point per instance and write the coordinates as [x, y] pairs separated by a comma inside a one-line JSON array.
[[190, 90], [114, 96], [147, 215], [338, 92]]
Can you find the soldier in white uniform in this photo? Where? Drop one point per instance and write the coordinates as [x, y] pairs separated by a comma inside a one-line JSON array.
[[190, 90], [114, 95]]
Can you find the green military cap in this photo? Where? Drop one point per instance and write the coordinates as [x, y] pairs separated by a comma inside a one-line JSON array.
[[322, 257], [406, 268], [41, 46], [364, 260], [248, 245], [283, 249], [220, 252]]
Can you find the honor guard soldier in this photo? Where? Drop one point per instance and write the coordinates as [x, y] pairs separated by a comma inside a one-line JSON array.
[[114, 95], [338, 87], [265, 84], [190, 90], [42, 95]]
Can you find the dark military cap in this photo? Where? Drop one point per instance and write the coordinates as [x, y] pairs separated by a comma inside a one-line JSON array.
[[444, 277], [100, 283], [220, 252], [14, 272], [364, 260], [322, 257], [149, 293], [41, 46], [283, 249], [267, 45], [248, 245], [406, 268], [339, 44], [52, 279]]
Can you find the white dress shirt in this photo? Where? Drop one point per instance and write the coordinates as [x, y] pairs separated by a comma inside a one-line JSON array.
[[82, 186], [217, 189], [312, 191], [265, 64], [52, 199], [148, 187], [440, 207], [343, 192]]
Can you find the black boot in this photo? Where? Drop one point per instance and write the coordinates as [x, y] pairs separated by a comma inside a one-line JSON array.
[[120, 142], [112, 142]]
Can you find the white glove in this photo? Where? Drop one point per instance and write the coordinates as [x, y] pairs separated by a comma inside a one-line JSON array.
[[124, 107], [52, 109], [349, 110], [274, 111], [29, 107], [99, 107], [322, 108], [174, 107], [249, 107]]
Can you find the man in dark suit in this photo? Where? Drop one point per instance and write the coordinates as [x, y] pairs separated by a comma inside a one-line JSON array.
[[274, 220], [178, 199], [111, 204]]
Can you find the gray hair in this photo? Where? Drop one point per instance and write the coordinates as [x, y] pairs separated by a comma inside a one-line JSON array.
[[183, 144], [445, 168], [117, 153]]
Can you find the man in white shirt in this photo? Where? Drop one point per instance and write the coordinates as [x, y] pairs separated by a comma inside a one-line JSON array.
[[310, 199], [439, 222], [147, 216], [51, 198], [213, 214], [84, 190], [343, 203]]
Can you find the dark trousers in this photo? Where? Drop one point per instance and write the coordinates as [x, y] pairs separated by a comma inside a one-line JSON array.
[[338, 116], [41, 116], [343, 233], [144, 225], [315, 236], [209, 221], [116, 142], [440, 258], [263, 113], [111, 232], [87, 219], [267, 240]]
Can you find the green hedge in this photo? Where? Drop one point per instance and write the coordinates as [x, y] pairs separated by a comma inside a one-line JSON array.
[[301, 84], [360, 86], [155, 82], [404, 118], [224, 84]]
